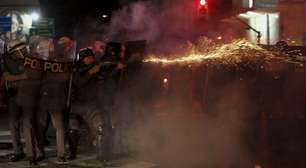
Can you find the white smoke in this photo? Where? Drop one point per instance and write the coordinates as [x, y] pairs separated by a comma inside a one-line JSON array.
[[164, 25], [136, 21]]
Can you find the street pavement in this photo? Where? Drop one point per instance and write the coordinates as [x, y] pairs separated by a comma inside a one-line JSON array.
[[86, 160], [5, 143]]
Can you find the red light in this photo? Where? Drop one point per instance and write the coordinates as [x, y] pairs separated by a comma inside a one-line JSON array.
[[165, 80], [203, 7], [202, 2]]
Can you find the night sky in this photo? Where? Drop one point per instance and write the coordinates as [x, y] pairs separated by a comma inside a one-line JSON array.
[[69, 13]]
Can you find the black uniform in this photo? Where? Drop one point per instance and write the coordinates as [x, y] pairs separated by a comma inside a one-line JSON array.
[[13, 66], [23, 97], [27, 99], [52, 101], [93, 105]]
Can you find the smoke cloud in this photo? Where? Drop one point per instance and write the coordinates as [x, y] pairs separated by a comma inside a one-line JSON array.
[[164, 24], [177, 129]]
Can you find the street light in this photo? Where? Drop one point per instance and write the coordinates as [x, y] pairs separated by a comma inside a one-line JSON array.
[[202, 2], [35, 16], [203, 7], [105, 16]]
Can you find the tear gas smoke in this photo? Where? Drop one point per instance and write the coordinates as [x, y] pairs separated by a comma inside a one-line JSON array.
[[164, 24], [209, 115], [206, 116]]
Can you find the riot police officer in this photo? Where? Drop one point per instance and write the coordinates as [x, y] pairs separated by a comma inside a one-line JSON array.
[[53, 94], [95, 89], [12, 68], [110, 76], [23, 99], [83, 100]]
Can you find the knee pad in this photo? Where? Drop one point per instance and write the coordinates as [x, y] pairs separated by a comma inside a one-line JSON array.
[[73, 131], [100, 130]]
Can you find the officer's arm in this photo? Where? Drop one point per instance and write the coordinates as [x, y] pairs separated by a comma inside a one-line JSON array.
[[8, 77], [81, 80], [94, 70]]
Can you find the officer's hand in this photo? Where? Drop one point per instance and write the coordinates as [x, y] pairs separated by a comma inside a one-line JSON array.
[[121, 66], [94, 69]]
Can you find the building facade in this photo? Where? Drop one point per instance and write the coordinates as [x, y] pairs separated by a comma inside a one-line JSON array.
[[277, 20], [21, 12], [293, 21]]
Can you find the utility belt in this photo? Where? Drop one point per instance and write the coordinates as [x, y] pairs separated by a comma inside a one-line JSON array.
[[47, 66]]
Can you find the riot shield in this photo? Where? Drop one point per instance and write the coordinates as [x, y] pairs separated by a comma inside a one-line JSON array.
[[61, 50], [112, 52], [55, 57], [65, 49], [133, 57], [41, 47], [134, 51], [49, 55]]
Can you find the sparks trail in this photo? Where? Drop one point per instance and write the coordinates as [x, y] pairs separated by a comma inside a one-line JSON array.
[[230, 54]]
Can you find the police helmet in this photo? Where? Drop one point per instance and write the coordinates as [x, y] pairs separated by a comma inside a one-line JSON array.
[[112, 51], [18, 49], [85, 52], [64, 40]]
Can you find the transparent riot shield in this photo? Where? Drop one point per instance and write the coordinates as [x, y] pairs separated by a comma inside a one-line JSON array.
[[45, 48], [65, 49], [41, 47]]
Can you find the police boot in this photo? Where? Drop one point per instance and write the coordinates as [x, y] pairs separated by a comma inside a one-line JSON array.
[[100, 142], [32, 162], [73, 140], [16, 157], [103, 145]]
